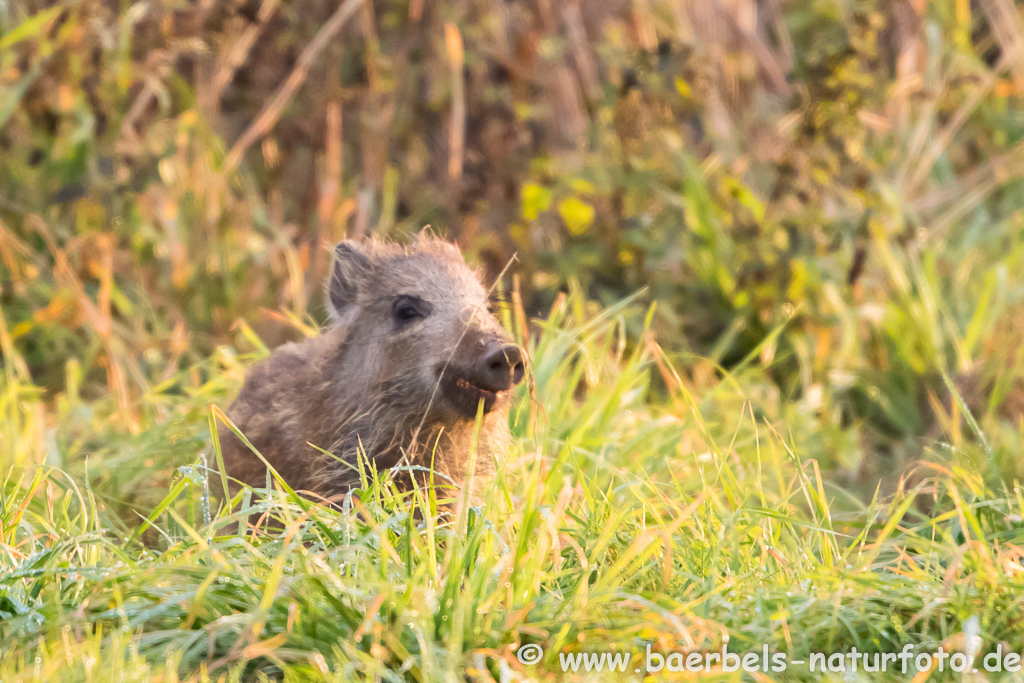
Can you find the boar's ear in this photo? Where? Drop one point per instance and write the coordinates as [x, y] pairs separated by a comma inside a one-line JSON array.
[[348, 270]]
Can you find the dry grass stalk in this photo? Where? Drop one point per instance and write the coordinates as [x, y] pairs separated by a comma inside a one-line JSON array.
[[272, 111]]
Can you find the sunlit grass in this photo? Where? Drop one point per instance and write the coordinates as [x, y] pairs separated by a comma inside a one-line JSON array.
[[615, 522]]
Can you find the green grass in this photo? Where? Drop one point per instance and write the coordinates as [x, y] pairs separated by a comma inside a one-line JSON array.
[[617, 521]]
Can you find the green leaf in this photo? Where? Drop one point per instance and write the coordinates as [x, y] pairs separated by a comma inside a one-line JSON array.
[[29, 28]]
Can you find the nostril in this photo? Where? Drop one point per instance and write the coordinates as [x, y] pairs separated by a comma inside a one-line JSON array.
[[512, 356], [518, 371], [503, 367]]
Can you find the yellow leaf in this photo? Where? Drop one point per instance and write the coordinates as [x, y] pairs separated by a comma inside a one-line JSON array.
[[535, 200], [577, 214]]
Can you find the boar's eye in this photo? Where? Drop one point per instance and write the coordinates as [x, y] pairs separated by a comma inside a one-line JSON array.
[[409, 309]]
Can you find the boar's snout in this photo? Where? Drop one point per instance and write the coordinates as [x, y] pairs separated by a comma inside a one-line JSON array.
[[500, 368], [495, 367]]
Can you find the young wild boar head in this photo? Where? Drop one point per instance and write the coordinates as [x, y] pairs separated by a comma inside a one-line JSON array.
[[419, 356]]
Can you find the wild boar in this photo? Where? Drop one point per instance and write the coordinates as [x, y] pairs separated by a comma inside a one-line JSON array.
[[411, 356]]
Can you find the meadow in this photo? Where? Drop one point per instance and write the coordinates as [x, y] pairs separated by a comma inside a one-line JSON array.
[[766, 259]]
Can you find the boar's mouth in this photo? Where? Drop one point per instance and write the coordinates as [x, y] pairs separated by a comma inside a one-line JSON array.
[[464, 395]]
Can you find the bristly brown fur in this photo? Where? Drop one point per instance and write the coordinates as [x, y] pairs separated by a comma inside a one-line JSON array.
[[366, 389]]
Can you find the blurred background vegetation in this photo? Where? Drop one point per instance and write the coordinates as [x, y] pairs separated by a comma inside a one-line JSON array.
[[822, 198]]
